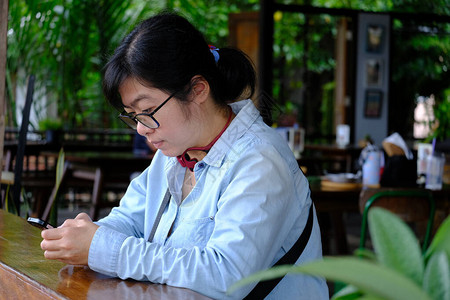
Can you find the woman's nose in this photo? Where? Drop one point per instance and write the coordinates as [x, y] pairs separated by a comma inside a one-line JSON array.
[[143, 130]]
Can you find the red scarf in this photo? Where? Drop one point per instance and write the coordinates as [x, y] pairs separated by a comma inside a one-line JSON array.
[[184, 158]]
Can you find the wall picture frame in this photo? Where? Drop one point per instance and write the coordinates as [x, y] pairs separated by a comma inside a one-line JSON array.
[[373, 103], [375, 38], [374, 72]]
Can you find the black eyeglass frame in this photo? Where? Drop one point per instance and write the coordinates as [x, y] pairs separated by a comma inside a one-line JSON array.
[[135, 118]]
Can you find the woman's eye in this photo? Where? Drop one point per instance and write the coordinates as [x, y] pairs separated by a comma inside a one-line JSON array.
[[148, 110]]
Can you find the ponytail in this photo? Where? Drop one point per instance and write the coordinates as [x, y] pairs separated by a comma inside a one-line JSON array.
[[238, 78]]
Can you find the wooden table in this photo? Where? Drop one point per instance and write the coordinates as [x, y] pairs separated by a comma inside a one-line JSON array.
[[319, 158], [336, 203], [26, 274]]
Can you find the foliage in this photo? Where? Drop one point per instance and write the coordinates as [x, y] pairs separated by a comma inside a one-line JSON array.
[[398, 270], [304, 58], [72, 41], [442, 115], [420, 67], [25, 202], [211, 17], [60, 165], [50, 124], [438, 6]]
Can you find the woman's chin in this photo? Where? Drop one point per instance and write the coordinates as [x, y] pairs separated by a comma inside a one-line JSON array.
[[169, 153]]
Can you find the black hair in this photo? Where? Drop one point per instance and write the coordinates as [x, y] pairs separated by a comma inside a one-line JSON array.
[[166, 51]]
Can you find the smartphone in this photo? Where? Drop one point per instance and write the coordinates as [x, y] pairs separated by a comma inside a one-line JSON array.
[[41, 224]]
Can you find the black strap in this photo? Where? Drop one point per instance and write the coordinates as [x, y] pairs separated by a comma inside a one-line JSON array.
[[263, 288], [158, 216]]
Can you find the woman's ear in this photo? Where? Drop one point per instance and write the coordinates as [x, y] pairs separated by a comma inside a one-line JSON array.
[[200, 89]]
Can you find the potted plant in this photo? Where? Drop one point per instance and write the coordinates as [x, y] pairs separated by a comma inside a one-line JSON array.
[[52, 128], [441, 133], [439, 122], [397, 269]]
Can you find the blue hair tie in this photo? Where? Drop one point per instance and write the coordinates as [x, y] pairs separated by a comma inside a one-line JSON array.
[[215, 52]]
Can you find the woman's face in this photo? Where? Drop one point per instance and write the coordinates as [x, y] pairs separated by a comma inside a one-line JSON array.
[[174, 134]]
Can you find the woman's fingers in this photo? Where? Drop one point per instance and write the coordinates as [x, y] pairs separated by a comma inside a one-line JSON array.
[[70, 243], [51, 234]]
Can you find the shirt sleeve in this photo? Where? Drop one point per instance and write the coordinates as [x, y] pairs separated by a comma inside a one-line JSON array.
[[257, 209], [132, 215], [128, 218]]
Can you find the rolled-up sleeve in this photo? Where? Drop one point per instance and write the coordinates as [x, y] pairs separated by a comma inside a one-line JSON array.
[[105, 249]]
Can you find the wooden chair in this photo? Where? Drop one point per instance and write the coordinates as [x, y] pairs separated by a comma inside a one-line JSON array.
[[7, 177], [79, 172], [411, 205]]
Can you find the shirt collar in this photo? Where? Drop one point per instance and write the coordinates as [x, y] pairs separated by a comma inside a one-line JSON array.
[[246, 115]]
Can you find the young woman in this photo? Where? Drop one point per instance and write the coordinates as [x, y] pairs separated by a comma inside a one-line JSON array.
[[223, 197]]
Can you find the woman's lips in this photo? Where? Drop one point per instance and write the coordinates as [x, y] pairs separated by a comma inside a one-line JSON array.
[[157, 144]]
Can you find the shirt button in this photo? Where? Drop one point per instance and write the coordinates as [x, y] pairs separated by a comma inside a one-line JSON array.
[[201, 165]]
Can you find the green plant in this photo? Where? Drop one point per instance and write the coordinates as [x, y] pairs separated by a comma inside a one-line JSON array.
[[25, 206], [442, 115], [50, 124], [397, 269], [26, 197], [60, 165], [73, 42]]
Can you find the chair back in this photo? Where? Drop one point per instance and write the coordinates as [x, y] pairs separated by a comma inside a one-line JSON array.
[[18, 168], [414, 206]]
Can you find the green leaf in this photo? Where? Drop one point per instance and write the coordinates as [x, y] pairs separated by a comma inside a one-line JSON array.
[[347, 293], [373, 279], [274, 272], [365, 253], [9, 203], [436, 281], [395, 244], [59, 175], [60, 167], [369, 297], [441, 241], [25, 206]]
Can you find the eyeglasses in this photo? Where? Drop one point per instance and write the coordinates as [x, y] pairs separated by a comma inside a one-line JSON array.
[[145, 119]]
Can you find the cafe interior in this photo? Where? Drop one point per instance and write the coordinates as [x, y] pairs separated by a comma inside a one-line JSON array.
[[361, 96]]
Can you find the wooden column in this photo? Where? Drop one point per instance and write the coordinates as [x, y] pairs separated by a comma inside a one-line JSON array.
[[265, 59], [340, 74], [243, 30], [3, 47]]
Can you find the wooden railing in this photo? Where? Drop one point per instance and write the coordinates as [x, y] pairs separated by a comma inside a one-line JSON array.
[[39, 169], [71, 140]]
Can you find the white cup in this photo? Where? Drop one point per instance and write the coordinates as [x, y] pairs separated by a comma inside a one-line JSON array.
[[342, 135], [423, 151], [371, 169], [435, 170], [296, 140]]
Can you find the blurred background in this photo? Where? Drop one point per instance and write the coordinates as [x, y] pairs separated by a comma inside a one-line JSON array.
[[311, 70], [340, 76]]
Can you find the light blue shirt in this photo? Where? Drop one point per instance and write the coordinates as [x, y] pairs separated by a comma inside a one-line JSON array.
[[248, 207]]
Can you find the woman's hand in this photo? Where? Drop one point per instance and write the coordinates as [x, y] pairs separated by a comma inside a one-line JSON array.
[[70, 242]]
